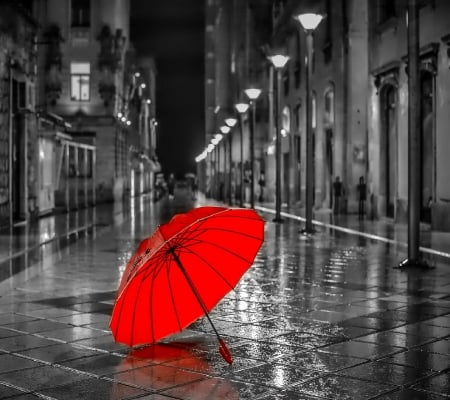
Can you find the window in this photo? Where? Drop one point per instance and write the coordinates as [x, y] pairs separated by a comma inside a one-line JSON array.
[[329, 108], [80, 81], [313, 111], [81, 13], [286, 120]]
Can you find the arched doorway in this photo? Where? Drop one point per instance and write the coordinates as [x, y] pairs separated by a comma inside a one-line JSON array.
[[388, 147], [426, 144], [328, 120]]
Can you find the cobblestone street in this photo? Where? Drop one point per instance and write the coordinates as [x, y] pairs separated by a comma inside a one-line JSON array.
[[323, 316]]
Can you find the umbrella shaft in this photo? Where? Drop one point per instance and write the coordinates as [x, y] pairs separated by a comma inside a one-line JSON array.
[[194, 290]]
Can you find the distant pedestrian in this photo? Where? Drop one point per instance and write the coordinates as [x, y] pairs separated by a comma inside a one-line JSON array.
[[194, 188], [171, 186], [362, 195], [337, 194], [262, 184]]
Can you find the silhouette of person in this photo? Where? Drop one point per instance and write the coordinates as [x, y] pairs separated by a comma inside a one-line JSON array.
[[262, 184], [337, 192], [171, 186], [194, 188], [362, 195]]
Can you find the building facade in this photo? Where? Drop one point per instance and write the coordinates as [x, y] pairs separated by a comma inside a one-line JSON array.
[[71, 85], [18, 155], [388, 111], [359, 102], [234, 32], [83, 58]]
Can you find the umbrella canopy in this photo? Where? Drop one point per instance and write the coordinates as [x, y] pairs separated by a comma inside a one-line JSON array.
[[182, 271]]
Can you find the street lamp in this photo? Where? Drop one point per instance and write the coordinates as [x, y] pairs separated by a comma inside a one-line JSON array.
[[241, 108], [309, 22], [231, 122], [225, 129], [278, 61], [252, 95]]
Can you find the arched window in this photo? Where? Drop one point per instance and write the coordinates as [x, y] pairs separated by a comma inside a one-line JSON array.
[[329, 108], [286, 120], [313, 111]]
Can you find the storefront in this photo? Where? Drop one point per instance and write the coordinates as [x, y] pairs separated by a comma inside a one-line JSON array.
[[66, 169]]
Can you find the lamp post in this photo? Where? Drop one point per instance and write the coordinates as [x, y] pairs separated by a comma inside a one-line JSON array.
[[414, 258], [252, 95], [225, 129], [309, 22], [278, 61], [209, 151], [231, 122], [241, 109]]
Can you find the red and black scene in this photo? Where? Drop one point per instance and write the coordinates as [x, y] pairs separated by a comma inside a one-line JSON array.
[[225, 199]]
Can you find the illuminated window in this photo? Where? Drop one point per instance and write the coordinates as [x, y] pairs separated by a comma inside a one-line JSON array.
[[80, 81], [81, 13], [329, 107], [313, 111], [286, 119]]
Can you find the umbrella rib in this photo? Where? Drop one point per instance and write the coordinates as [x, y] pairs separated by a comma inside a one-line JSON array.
[[172, 298], [121, 309], [181, 242], [194, 290], [151, 273], [152, 324], [239, 233], [226, 250], [162, 254], [134, 313], [200, 231], [210, 266]]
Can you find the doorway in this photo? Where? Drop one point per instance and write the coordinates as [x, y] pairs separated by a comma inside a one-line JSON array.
[[18, 173], [426, 145], [329, 166], [389, 149]]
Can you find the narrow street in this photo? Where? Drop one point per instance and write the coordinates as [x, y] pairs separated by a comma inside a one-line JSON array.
[[323, 316]]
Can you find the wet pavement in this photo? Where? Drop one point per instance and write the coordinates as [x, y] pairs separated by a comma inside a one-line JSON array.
[[323, 316]]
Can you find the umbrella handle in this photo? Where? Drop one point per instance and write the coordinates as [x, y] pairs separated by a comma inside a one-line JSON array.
[[224, 352], [223, 349]]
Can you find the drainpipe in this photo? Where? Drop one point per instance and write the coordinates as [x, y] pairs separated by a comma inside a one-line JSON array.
[[10, 142]]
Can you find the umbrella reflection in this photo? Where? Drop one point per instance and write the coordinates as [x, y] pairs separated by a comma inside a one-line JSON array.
[[176, 369]]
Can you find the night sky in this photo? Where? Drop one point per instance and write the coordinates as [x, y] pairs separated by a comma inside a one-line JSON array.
[[172, 31]]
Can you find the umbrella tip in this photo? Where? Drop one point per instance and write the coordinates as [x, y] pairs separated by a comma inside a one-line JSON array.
[[225, 352]]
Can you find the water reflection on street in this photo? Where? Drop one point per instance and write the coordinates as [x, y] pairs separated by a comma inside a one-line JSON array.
[[317, 316]]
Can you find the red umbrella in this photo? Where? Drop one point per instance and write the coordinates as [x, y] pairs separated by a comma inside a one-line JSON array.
[[182, 271]]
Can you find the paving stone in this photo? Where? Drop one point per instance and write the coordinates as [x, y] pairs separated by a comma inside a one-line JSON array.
[[318, 317], [337, 387], [94, 389]]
